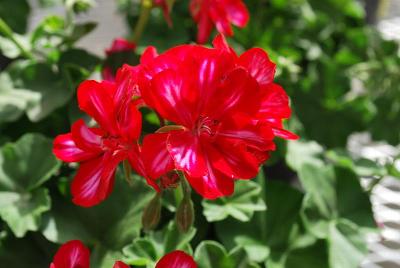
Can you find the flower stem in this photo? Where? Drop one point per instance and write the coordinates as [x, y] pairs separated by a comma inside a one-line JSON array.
[[6, 30], [143, 19]]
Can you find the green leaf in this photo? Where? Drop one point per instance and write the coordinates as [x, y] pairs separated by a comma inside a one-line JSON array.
[[24, 166], [24, 214], [241, 205], [14, 102], [9, 49], [212, 254], [314, 256], [318, 181], [32, 251], [27, 163], [114, 223], [271, 228], [302, 152], [347, 247], [148, 250], [42, 79], [15, 14]]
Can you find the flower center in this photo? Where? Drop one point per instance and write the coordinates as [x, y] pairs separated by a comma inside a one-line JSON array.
[[207, 126], [115, 144]]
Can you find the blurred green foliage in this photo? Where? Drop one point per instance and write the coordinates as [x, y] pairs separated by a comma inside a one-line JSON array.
[[307, 210]]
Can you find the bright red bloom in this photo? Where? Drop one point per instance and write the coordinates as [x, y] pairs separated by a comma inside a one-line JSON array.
[[221, 13], [176, 259], [74, 254], [100, 149], [118, 45], [227, 108]]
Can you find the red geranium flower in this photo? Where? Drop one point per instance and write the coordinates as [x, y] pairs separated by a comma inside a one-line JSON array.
[[226, 109], [220, 13], [118, 45], [100, 149], [74, 254], [176, 259]]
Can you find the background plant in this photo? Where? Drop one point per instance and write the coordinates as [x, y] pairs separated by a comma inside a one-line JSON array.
[[306, 209]]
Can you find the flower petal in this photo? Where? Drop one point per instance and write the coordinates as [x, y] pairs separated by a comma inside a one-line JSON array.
[[85, 137], [156, 157], [120, 264], [72, 254], [168, 96], [274, 103], [148, 54], [220, 18], [94, 180], [186, 150], [241, 128], [129, 123], [95, 99], [176, 259], [232, 159], [237, 12], [257, 62], [212, 185], [65, 149]]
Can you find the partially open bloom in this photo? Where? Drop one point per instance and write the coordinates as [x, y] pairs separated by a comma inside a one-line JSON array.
[[119, 45], [100, 149], [74, 254], [226, 110], [221, 13], [176, 259]]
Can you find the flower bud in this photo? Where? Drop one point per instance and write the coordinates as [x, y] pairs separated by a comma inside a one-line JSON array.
[[185, 214], [152, 213]]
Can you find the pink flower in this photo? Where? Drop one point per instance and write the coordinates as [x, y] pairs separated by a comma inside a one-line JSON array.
[[218, 13]]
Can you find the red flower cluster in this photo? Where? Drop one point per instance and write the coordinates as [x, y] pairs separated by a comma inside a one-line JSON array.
[[220, 13], [74, 254], [224, 111]]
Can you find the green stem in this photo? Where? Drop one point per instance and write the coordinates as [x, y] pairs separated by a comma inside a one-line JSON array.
[[143, 19], [6, 30]]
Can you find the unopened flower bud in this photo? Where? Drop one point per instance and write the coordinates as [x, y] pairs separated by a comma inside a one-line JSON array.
[[185, 214], [152, 213]]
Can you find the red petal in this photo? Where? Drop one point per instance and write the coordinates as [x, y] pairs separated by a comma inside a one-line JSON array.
[[238, 93], [120, 264], [94, 181], [148, 55], [127, 81], [257, 62], [168, 97], [185, 149], [275, 103], [96, 100], [155, 155], [204, 28], [120, 45], [176, 259], [66, 150], [282, 133], [220, 42], [220, 18], [72, 254], [85, 137], [130, 123], [242, 129], [212, 185], [237, 12], [232, 159]]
